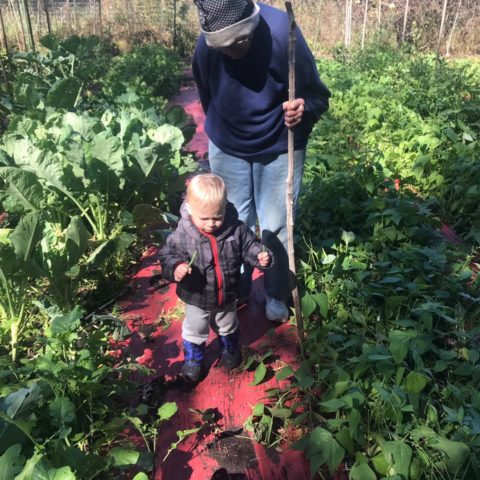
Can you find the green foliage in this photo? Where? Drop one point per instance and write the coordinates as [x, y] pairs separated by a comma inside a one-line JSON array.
[[255, 361], [96, 168], [267, 421], [392, 373], [410, 117], [57, 78], [81, 178], [16, 253], [90, 56], [82, 170], [61, 410], [152, 70]]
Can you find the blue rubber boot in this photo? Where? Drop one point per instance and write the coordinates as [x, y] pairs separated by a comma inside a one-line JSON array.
[[231, 353], [192, 366]]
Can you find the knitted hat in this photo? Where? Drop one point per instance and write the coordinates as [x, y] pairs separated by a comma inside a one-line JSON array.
[[225, 21]]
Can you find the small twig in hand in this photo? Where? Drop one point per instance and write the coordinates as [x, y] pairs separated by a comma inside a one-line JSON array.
[[190, 263]]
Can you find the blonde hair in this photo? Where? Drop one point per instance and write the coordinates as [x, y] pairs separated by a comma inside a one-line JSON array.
[[207, 189]]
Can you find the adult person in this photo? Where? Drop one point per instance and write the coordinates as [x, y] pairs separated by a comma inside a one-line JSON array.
[[240, 66]]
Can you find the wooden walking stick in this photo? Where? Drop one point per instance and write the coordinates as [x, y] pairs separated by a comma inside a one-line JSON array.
[[291, 157]]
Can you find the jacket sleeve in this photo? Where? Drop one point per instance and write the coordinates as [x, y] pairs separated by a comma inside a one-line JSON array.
[[251, 247], [199, 70], [308, 83], [171, 255]]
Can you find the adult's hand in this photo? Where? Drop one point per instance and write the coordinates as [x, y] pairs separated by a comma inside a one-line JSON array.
[[293, 112]]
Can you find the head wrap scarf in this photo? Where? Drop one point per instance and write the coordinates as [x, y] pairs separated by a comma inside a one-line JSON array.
[[225, 21]]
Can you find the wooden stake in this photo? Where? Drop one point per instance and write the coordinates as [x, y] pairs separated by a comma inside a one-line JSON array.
[[47, 15], [174, 25], [364, 28], [291, 159], [130, 18], [75, 15], [379, 14], [405, 17], [4, 33], [29, 25], [17, 15], [449, 41], [68, 16], [348, 23], [100, 27], [317, 26], [442, 24]]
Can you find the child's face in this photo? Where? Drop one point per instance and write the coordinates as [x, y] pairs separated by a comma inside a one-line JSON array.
[[207, 218]]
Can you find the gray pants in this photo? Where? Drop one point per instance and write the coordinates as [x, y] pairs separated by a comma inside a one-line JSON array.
[[197, 321]]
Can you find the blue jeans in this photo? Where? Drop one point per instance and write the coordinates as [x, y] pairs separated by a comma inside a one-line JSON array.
[[258, 189]]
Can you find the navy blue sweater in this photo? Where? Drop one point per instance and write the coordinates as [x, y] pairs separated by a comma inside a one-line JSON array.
[[242, 99]]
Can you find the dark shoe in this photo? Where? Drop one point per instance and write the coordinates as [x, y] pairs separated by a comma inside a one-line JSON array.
[[193, 353], [192, 371], [231, 354], [231, 360]]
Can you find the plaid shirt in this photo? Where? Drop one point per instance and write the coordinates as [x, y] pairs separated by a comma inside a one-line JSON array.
[[215, 277]]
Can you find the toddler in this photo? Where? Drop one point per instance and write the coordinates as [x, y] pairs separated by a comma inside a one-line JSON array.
[[204, 256]]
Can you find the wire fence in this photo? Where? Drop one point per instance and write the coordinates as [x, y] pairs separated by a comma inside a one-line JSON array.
[[120, 19], [325, 23]]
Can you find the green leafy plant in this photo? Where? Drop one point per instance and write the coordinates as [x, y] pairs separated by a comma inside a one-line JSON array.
[[16, 253], [206, 422], [152, 68], [149, 428], [391, 367], [60, 411], [254, 360]]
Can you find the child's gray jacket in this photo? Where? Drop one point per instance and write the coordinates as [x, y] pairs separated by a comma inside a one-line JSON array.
[[215, 277]]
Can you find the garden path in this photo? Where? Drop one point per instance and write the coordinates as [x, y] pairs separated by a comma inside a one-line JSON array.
[[228, 452]]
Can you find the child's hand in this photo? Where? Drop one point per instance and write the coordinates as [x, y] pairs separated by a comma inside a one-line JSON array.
[[181, 272], [264, 259]]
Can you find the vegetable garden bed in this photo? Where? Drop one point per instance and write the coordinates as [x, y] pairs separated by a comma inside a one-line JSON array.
[[92, 166]]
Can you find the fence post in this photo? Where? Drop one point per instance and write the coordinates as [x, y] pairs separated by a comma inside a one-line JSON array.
[[4, 33], [100, 27], [130, 18], [364, 28], [442, 24], [75, 15], [405, 17], [449, 41], [29, 25], [317, 26], [348, 23], [379, 14], [20, 21], [5, 45], [47, 15], [174, 25], [68, 15]]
